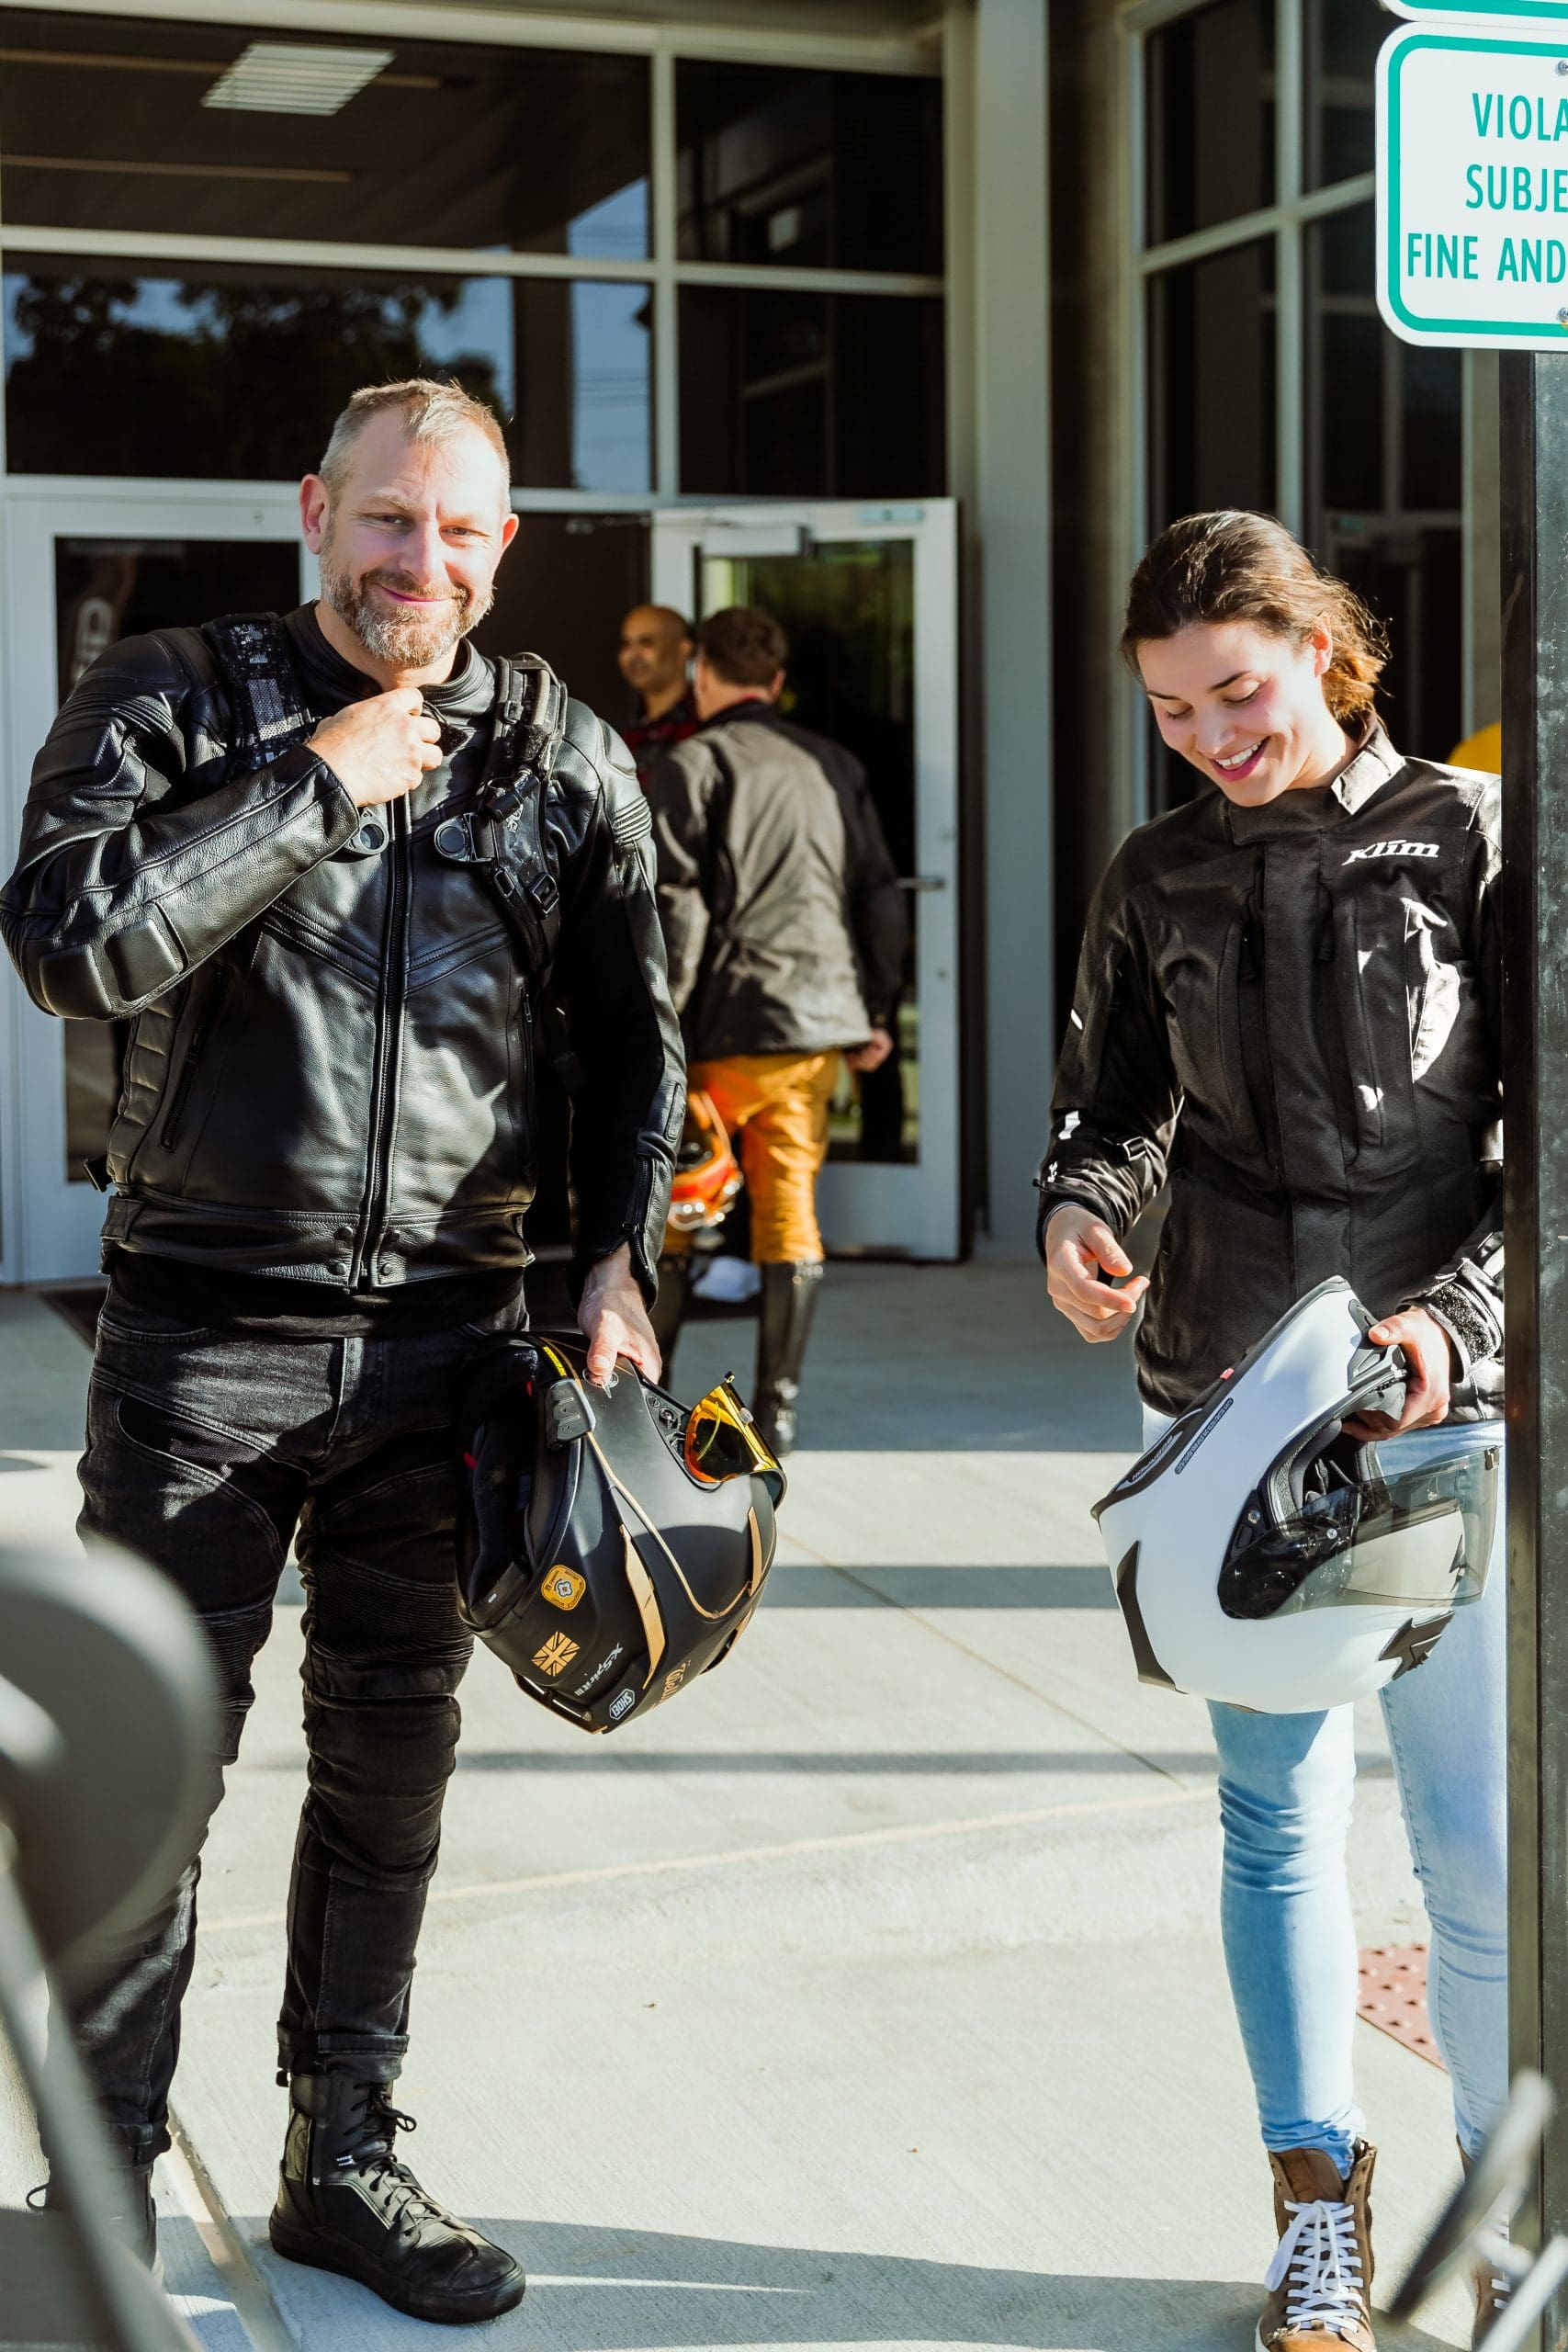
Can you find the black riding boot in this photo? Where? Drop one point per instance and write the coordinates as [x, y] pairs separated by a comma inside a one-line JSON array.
[[134, 2214], [345, 2203], [789, 1302], [669, 1310]]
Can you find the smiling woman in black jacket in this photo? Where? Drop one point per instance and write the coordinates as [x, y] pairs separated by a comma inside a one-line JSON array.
[[1288, 1005]]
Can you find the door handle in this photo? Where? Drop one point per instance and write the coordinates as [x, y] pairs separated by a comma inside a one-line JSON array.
[[923, 881]]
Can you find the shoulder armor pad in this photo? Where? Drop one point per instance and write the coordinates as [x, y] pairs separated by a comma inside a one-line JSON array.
[[594, 754]]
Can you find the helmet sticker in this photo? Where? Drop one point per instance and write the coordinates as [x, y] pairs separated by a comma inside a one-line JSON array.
[[556, 1653], [563, 1587], [622, 1704], [1205, 1434]]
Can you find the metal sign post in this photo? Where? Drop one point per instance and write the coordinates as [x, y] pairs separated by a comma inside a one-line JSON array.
[[1535, 998], [1472, 251]]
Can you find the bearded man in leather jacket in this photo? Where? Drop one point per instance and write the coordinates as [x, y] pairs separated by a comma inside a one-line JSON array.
[[321, 1160]]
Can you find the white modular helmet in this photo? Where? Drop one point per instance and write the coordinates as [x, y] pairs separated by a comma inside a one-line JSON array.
[[1263, 1556]]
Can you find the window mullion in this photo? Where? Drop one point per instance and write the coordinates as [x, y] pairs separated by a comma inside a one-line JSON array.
[[666, 297], [1290, 384]]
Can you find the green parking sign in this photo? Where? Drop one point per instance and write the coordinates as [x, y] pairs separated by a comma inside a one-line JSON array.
[[1472, 186], [1534, 12]]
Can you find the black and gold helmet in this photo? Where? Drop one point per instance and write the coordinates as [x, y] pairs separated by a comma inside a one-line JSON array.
[[612, 1544]]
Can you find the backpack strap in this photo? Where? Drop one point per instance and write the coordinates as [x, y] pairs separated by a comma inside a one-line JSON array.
[[503, 832], [258, 665]]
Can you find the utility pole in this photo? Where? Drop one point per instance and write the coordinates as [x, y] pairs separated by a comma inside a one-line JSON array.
[[1534, 411]]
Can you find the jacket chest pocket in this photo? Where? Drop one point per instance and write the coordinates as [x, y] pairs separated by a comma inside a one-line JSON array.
[[1210, 1003], [1401, 1003]]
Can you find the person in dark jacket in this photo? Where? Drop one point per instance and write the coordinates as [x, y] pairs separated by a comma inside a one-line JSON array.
[[655, 659], [1288, 1009], [321, 1162], [786, 935]]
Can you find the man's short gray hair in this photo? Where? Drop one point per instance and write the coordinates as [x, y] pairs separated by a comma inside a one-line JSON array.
[[430, 411]]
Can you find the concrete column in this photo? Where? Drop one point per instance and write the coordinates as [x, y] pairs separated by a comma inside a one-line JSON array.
[[999, 269]]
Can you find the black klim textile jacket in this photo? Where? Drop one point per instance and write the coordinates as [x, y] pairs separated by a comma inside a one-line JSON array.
[[1293, 1014], [330, 1074]]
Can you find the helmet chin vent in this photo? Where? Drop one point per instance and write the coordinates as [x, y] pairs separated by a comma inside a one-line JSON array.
[[1148, 1666]]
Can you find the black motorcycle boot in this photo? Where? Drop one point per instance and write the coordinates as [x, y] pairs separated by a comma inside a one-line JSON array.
[[669, 1310], [133, 2216], [345, 2203], [789, 1304]]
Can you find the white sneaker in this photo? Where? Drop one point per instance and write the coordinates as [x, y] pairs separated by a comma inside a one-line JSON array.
[[728, 1282]]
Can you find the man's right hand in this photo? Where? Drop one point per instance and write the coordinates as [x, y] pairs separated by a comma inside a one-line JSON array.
[[381, 748], [1079, 1246]]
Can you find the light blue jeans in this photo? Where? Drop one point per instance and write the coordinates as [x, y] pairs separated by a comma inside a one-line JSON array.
[[1287, 1783]]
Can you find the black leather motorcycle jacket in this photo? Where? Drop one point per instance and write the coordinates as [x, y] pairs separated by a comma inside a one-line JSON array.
[[330, 1071], [1293, 1011]]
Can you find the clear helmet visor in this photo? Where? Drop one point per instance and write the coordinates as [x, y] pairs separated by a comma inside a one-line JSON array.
[[1398, 1522]]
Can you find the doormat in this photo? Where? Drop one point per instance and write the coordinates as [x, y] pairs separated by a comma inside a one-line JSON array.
[[1391, 1994], [80, 1306]]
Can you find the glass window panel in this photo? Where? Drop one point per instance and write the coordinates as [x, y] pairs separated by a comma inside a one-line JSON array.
[[1384, 478], [106, 589], [564, 585], [1411, 576], [1210, 109], [848, 608], [105, 122], [1432, 420], [811, 395], [1342, 39], [826, 170], [1211, 383], [1346, 353], [236, 373], [1213, 427]]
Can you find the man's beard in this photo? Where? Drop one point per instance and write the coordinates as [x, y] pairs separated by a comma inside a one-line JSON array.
[[411, 640]]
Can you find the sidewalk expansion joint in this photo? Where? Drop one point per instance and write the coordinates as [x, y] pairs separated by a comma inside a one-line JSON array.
[[254, 2308]]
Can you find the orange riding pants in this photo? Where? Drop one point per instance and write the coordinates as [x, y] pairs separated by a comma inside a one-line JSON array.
[[775, 1107]]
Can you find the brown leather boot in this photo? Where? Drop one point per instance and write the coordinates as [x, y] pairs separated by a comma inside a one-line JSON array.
[[1320, 2282]]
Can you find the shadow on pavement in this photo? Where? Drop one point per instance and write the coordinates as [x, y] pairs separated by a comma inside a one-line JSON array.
[[961, 1587], [628, 2290]]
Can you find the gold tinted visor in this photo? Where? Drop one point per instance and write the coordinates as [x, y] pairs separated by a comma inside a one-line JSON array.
[[722, 1441]]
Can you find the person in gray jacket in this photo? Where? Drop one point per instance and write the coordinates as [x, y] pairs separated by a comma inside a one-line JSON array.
[[785, 933]]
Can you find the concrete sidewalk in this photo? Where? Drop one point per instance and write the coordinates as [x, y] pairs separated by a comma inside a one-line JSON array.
[[872, 1993]]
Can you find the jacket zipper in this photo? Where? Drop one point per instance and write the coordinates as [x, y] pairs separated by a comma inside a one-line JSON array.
[[1274, 1143], [526, 1122], [174, 1118], [388, 1034]]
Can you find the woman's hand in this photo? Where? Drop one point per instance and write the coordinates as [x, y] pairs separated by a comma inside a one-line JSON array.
[[1429, 1376], [1079, 1246]]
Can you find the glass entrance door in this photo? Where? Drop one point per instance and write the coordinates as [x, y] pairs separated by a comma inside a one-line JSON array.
[[84, 568], [867, 597]]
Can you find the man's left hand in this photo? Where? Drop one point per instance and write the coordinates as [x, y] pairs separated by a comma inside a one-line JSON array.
[[614, 1319], [872, 1054], [1428, 1374]]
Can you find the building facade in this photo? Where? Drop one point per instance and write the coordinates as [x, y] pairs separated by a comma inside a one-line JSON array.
[[910, 320]]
